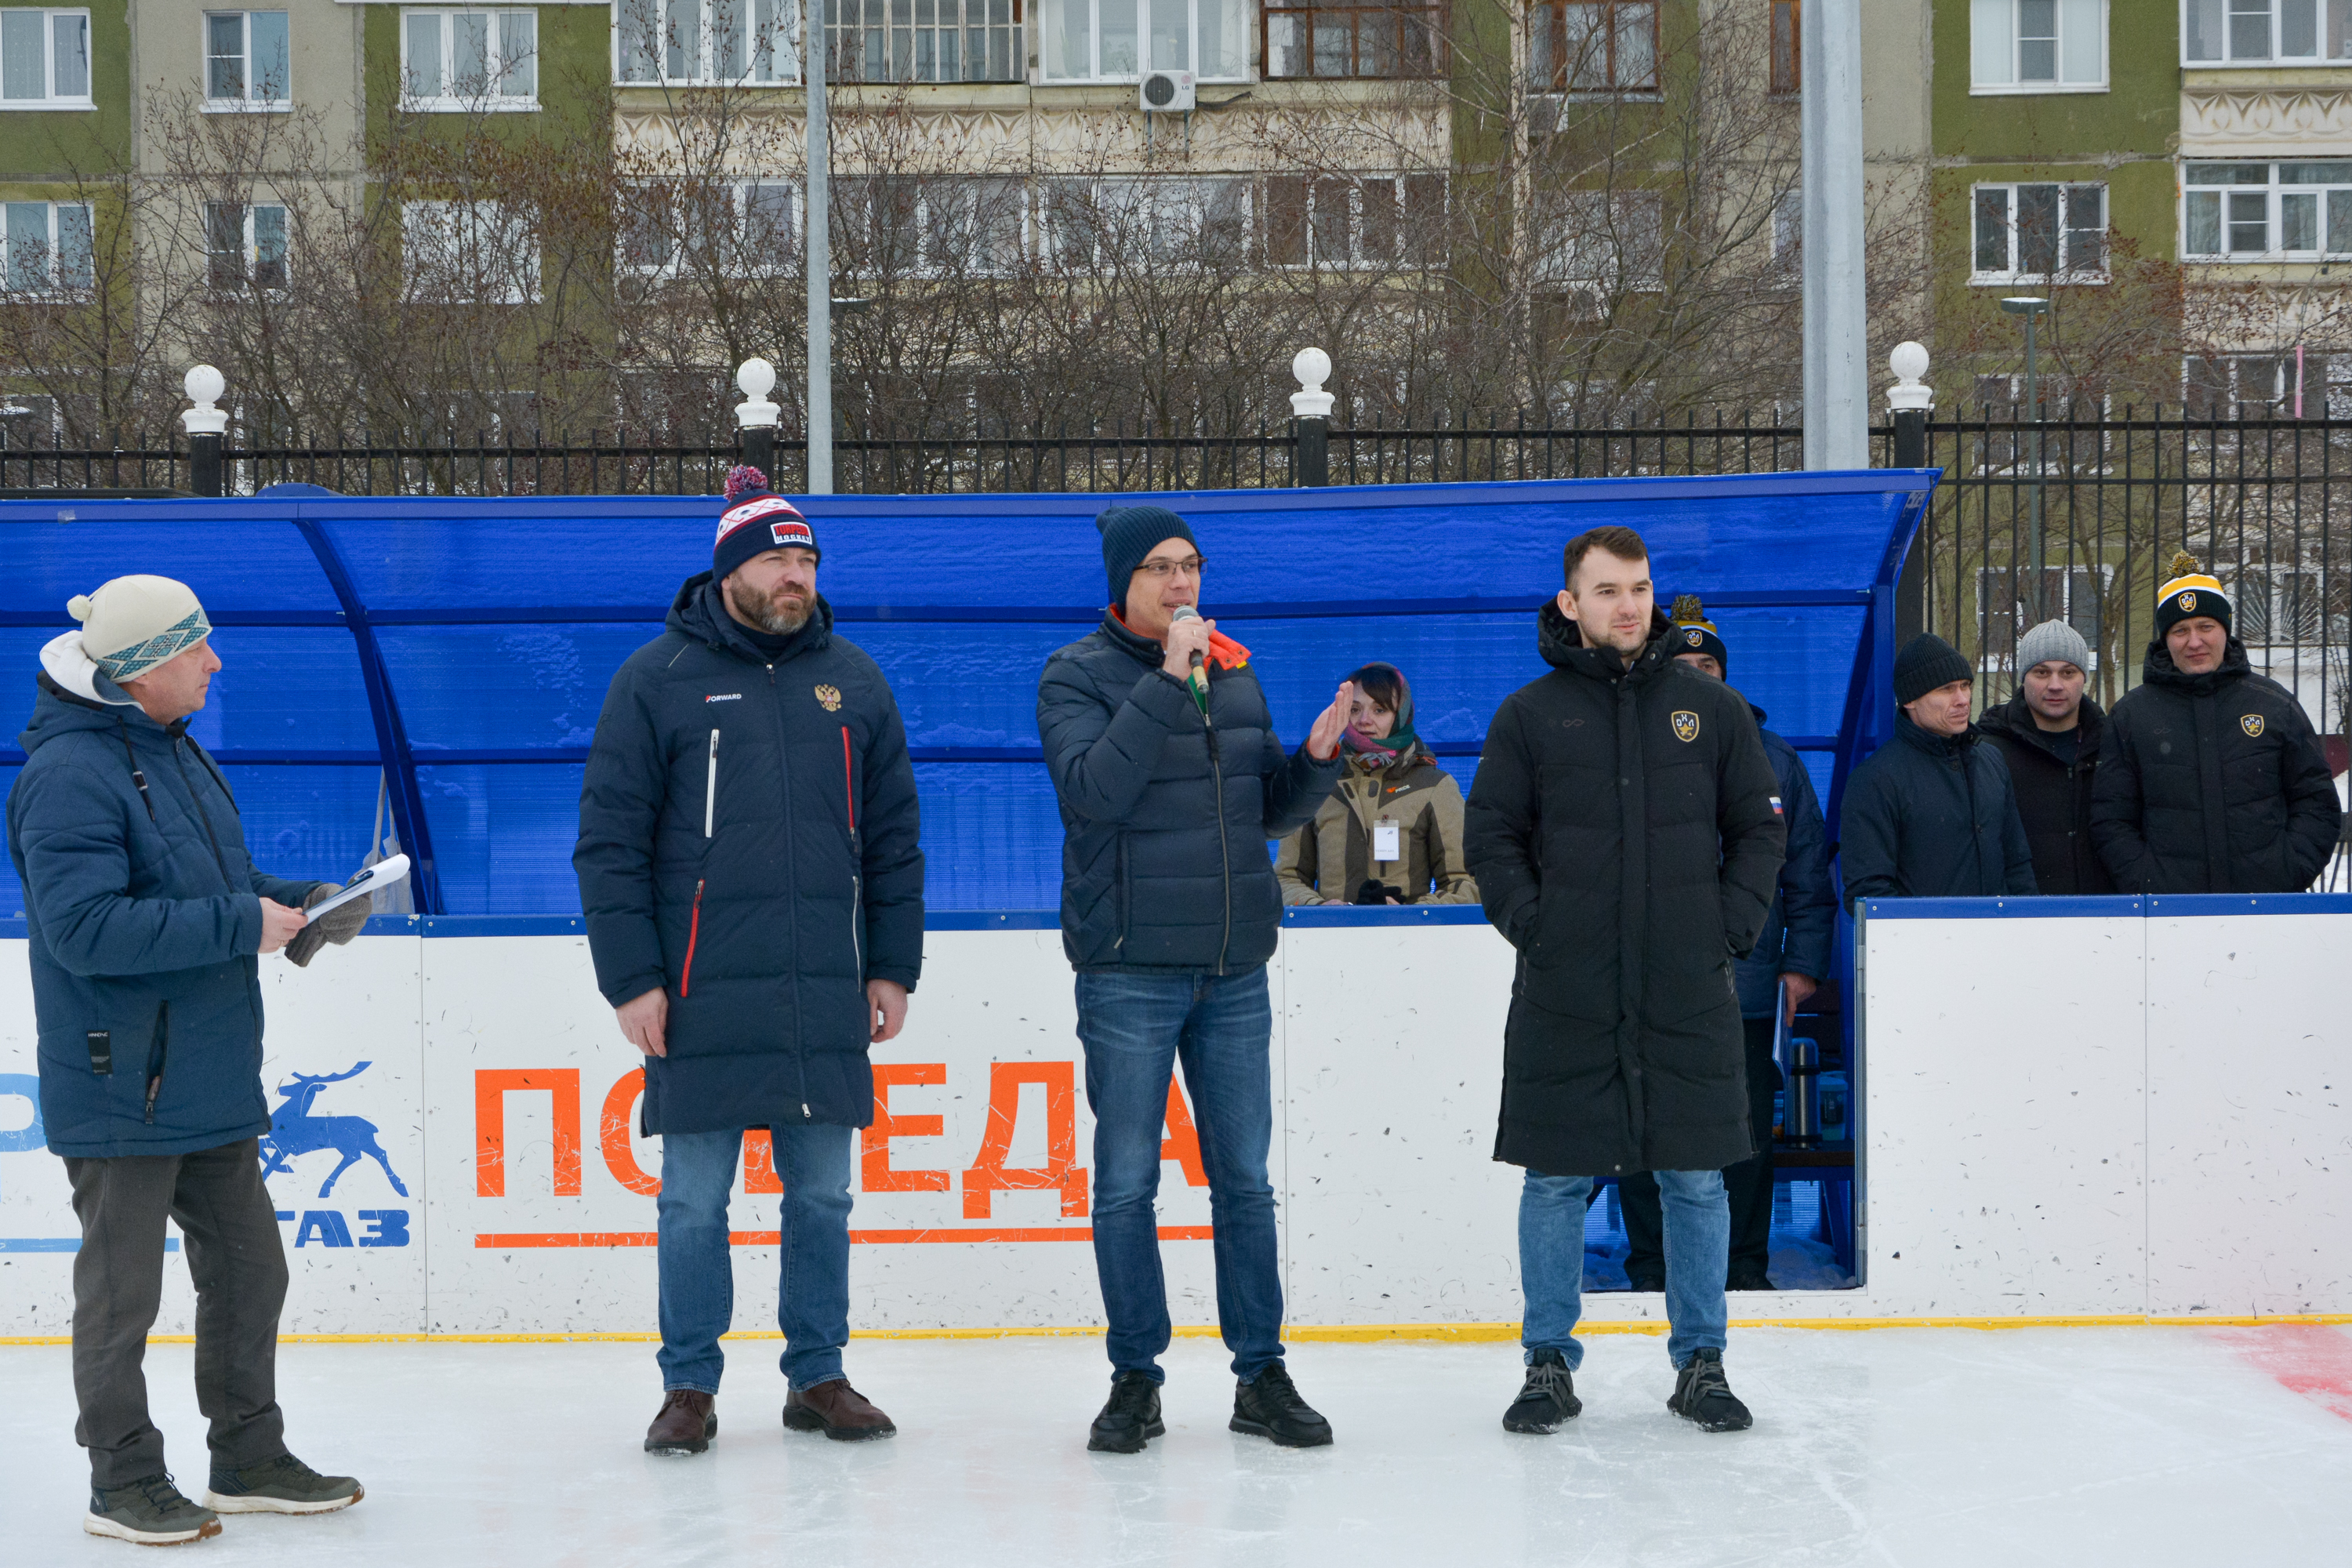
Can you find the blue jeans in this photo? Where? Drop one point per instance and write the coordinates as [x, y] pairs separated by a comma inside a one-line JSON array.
[[1135, 1028], [697, 1271], [1552, 1261]]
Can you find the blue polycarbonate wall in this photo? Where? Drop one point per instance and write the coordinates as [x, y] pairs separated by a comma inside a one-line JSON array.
[[453, 654]]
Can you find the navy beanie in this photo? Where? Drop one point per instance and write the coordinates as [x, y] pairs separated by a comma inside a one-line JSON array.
[[754, 522], [1926, 662], [1128, 532]]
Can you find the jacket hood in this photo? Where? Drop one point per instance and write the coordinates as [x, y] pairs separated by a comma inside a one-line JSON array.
[[2159, 669], [1943, 748], [74, 696], [65, 661], [1562, 642], [2014, 720], [698, 613]]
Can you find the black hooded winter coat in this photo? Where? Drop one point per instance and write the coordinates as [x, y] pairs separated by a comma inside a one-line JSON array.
[[1164, 823], [1626, 833], [748, 841], [2213, 783], [1932, 817], [2053, 796]]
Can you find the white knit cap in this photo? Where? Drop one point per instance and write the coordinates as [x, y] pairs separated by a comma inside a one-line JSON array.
[[2053, 641], [133, 624]]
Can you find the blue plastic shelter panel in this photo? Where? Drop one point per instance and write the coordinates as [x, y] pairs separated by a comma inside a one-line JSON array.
[[466, 645]]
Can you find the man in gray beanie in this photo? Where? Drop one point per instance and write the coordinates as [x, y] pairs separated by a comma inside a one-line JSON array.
[[2049, 734], [146, 917], [1931, 813]]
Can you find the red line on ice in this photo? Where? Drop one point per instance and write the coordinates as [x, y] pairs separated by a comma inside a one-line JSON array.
[[2309, 1358]]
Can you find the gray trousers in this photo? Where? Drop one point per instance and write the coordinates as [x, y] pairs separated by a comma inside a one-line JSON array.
[[238, 1264]]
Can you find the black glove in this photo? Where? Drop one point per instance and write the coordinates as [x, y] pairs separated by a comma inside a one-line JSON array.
[[1372, 892], [338, 925]]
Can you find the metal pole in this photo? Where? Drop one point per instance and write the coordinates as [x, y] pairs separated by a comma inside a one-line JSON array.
[[1310, 418], [2040, 596], [204, 424], [818, 246], [1908, 403], [1836, 322]]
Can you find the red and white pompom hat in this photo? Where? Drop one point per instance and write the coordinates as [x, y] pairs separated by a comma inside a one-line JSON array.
[[756, 520]]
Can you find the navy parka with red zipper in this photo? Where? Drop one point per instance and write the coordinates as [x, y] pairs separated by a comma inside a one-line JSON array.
[[749, 841]]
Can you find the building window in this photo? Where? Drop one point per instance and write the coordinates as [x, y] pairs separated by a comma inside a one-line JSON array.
[[948, 41], [1600, 243], [245, 246], [1118, 40], [2255, 212], [929, 225], [1787, 48], [2038, 46], [1379, 223], [1301, 38], [2264, 32], [1089, 226], [1789, 233], [2039, 234], [741, 228], [707, 43], [1593, 45], [246, 64], [46, 248], [45, 59], [452, 60], [469, 253]]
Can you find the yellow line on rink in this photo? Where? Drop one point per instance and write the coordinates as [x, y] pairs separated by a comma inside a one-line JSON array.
[[1308, 1333]]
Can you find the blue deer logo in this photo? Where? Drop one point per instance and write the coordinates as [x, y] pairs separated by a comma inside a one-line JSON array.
[[294, 1132]]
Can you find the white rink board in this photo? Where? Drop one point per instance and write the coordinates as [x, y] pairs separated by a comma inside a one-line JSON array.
[[2063, 1116]]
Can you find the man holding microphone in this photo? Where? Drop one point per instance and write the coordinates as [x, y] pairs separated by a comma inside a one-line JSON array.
[[1171, 782]]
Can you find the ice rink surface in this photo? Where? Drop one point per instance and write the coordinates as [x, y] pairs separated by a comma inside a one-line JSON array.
[[2136, 1445]]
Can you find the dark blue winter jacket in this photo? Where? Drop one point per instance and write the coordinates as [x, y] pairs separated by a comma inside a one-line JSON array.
[[1933, 817], [748, 841], [1798, 931], [144, 911], [1164, 823]]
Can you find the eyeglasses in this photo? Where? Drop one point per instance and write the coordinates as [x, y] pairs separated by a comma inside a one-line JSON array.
[[1160, 569]]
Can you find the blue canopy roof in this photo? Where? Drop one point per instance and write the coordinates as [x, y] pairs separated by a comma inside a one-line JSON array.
[[453, 653]]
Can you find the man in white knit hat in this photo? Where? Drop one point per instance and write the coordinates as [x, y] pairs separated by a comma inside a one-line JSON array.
[[147, 916]]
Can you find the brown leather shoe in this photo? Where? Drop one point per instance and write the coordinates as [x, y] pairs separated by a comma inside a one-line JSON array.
[[838, 1411], [685, 1425]]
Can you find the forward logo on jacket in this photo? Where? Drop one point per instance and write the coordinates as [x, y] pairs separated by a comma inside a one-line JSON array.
[[2251, 724], [1685, 725], [725, 696], [829, 698]]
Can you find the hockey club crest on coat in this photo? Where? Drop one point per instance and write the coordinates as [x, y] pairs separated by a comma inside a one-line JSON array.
[[1685, 724], [2251, 723], [829, 698]]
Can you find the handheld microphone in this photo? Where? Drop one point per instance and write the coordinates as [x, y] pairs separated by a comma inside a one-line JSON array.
[[1199, 680]]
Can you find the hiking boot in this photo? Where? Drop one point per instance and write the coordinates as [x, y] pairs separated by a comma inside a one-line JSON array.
[[686, 1424], [1129, 1419], [1269, 1406], [150, 1511], [1547, 1400], [1701, 1395], [282, 1485], [838, 1411], [1750, 1279]]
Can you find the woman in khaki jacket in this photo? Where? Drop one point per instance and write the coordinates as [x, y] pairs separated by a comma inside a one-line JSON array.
[[1392, 831]]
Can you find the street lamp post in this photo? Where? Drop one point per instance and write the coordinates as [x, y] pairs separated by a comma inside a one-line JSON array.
[[816, 246], [2032, 309]]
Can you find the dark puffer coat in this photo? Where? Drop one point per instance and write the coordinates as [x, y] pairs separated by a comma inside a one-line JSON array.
[[2053, 796], [1164, 823], [1933, 817], [1624, 830], [144, 914], [748, 841], [1797, 933], [2213, 783]]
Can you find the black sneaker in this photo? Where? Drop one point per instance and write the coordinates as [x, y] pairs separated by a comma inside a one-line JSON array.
[[1646, 1283], [1750, 1279], [1702, 1395], [1129, 1419], [149, 1512], [1547, 1400], [1269, 1406], [282, 1485]]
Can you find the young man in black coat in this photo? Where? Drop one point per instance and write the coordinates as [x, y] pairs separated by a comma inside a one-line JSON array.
[[2211, 777], [751, 870], [1171, 782], [2049, 735], [1931, 813], [1626, 832]]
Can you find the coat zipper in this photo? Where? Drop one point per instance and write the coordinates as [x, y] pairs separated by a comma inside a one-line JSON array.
[[710, 786], [856, 873], [1225, 846], [162, 1048], [784, 780], [693, 934]]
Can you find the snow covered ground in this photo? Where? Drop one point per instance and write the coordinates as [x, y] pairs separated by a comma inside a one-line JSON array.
[[2144, 1446]]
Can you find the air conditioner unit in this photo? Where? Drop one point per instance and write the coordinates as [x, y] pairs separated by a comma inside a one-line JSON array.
[[1167, 92]]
